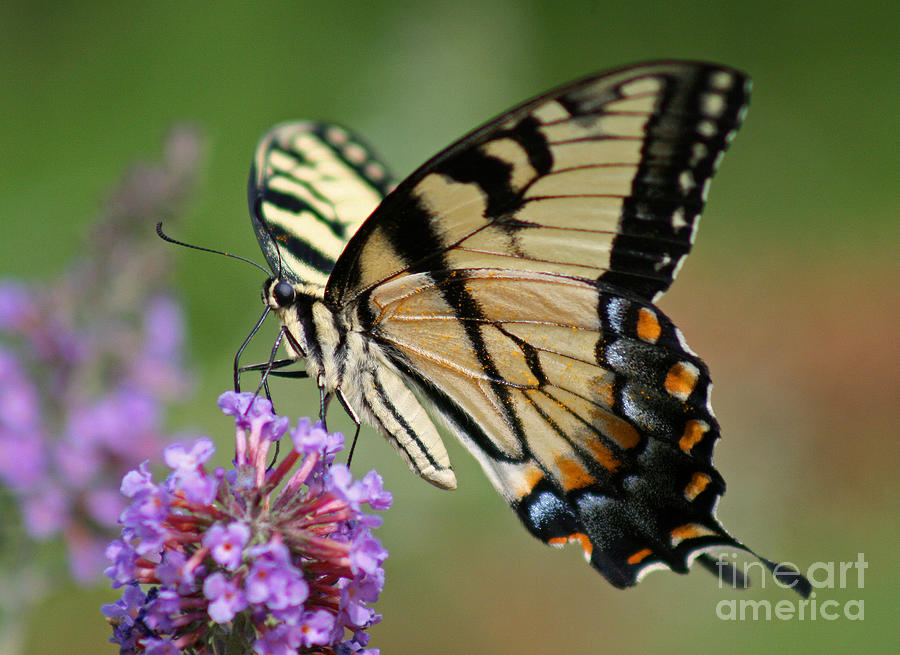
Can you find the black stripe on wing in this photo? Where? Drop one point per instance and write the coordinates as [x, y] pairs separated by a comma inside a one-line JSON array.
[[417, 234], [697, 119], [311, 186], [602, 179]]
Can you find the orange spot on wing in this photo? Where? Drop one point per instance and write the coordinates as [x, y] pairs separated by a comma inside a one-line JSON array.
[[603, 455], [572, 474], [689, 531], [693, 433], [619, 430], [681, 380], [580, 537], [639, 556], [585, 542], [648, 327], [699, 482], [528, 480]]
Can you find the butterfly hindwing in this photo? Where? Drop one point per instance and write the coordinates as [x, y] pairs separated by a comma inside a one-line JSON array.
[[311, 187], [582, 403]]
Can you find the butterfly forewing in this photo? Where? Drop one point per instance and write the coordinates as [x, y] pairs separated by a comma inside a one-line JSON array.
[[311, 187], [602, 179]]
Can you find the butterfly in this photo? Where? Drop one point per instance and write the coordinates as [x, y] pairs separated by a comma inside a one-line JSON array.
[[507, 289]]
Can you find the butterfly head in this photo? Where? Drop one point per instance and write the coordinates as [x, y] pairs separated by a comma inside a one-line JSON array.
[[278, 294]]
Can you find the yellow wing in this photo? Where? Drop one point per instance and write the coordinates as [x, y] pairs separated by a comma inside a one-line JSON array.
[[571, 395], [509, 282]]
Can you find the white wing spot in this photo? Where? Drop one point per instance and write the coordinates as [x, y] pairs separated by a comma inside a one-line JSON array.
[[681, 342], [336, 136], [699, 153], [374, 172], [663, 262], [713, 105], [355, 153], [678, 264], [678, 219], [718, 160], [709, 408], [706, 128], [721, 80], [686, 181]]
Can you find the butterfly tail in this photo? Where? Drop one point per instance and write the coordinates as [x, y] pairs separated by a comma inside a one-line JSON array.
[[623, 539]]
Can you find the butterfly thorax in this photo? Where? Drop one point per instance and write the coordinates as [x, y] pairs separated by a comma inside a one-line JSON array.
[[343, 360]]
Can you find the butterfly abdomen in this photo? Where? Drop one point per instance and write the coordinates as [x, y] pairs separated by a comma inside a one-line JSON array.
[[343, 361]]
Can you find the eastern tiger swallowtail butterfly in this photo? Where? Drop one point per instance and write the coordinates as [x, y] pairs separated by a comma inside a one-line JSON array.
[[507, 285]]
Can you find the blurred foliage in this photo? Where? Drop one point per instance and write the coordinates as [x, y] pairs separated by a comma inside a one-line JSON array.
[[790, 294]]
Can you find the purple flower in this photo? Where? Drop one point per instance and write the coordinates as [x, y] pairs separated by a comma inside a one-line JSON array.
[[127, 607], [310, 438], [253, 413], [273, 579], [16, 305], [292, 557], [124, 561], [23, 461], [88, 361], [357, 492], [278, 640], [373, 490], [316, 628], [20, 405], [226, 599], [366, 553], [182, 459], [194, 483], [137, 481], [122, 614], [227, 543], [160, 647], [173, 572], [158, 366], [45, 511], [160, 610]]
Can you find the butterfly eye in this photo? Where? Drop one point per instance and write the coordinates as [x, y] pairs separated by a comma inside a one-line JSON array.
[[283, 294]]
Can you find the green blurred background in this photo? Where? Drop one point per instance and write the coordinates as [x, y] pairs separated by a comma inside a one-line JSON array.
[[790, 295]]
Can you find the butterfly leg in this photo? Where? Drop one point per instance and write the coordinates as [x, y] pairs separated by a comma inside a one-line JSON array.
[[273, 366], [264, 380], [273, 370], [324, 398], [354, 418]]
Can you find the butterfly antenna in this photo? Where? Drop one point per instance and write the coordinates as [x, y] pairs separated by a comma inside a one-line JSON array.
[[166, 237], [237, 357]]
